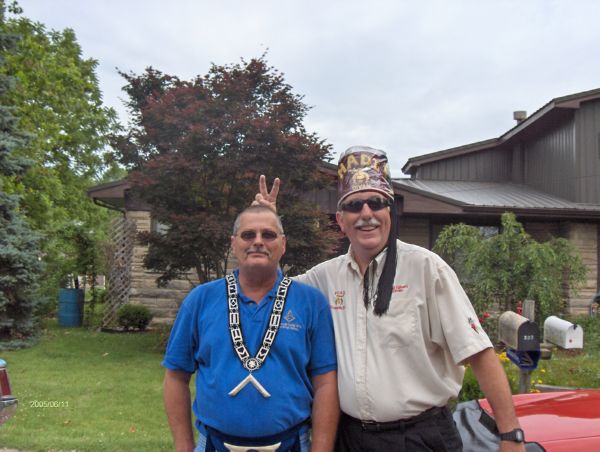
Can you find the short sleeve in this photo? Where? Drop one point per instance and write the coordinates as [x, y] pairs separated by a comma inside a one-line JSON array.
[[323, 356], [179, 354], [458, 323]]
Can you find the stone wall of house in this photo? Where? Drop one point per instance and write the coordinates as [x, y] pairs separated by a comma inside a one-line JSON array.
[[585, 238], [163, 302]]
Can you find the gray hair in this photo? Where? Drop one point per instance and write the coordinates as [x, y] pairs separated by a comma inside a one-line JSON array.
[[256, 209]]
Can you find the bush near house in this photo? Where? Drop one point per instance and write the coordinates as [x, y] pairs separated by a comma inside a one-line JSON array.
[[498, 271], [134, 316]]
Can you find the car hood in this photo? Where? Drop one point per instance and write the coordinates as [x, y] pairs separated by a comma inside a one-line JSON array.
[[557, 416]]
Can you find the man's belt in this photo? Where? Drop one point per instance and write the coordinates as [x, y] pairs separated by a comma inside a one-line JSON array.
[[373, 426], [270, 448]]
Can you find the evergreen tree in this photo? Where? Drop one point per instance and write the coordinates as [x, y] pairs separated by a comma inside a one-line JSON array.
[[19, 252]]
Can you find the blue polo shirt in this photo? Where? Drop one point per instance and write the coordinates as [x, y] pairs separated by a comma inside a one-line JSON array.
[[304, 347]]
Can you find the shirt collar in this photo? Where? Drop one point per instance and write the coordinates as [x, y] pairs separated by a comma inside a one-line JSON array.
[[269, 296], [379, 260]]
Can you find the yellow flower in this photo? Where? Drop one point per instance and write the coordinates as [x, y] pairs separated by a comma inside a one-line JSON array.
[[502, 357], [539, 382]]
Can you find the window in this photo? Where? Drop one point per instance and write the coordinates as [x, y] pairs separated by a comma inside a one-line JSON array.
[[158, 227]]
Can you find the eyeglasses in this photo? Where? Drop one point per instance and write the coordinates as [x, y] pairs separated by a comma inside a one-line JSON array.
[[267, 235], [375, 203]]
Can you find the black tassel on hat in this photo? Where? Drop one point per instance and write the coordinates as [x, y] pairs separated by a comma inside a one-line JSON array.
[[386, 279]]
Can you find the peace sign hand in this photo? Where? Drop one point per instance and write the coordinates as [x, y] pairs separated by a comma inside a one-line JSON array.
[[264, 197]]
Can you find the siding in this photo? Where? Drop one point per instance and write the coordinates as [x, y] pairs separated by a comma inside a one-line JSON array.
[[489, 166], [517, 166], [542, 231], [415, 231], [549, 161], [585, 238], [587, 170]]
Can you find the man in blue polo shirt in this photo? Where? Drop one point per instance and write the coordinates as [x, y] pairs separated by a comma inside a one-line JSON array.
[[263, 352]]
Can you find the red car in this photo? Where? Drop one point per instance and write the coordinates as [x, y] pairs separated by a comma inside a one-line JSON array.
[[8, 403], [552, 421]]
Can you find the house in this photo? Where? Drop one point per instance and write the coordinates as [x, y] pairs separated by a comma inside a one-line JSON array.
[[129, 281], [546, 170]]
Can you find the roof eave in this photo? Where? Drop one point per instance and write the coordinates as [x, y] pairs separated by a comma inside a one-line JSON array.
[[554, 213], [452, 152], [398, 187]]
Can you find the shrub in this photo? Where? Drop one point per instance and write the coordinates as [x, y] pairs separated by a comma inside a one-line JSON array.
[[499, 270], [470, 389], [134, 316]]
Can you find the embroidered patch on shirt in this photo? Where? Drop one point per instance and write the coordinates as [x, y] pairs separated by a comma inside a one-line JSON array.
[[289, 317], [473, 325], [339, 300], [399, 288], [289, 324]]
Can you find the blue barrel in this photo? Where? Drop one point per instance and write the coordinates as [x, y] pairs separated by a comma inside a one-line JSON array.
[[70, 307]]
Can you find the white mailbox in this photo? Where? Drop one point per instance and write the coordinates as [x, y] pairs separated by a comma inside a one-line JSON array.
[[563, 333]]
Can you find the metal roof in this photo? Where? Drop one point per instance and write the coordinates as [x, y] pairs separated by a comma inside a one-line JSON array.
[[493, 194]]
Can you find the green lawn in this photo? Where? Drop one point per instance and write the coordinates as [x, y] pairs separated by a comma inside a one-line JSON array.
[[574, 368], [87, 391]]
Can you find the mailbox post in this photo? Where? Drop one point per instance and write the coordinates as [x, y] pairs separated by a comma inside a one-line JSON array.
[[522, 339]]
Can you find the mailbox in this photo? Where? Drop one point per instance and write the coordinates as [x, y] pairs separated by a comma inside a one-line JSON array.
[[563, 333], [518, 332], [524, 360]]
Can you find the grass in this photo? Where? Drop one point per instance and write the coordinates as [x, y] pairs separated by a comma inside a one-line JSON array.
[[88, 391], [81, 390], [574, 368]]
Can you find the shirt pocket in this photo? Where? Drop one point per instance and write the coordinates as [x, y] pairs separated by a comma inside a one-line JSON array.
[[397, 328]]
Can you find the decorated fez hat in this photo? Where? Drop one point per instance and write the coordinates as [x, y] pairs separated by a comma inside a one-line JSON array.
[[362, 168]]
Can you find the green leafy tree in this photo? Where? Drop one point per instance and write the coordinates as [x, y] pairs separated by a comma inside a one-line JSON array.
[[20, 266], [196, 149], [59, 104], [500, 270]]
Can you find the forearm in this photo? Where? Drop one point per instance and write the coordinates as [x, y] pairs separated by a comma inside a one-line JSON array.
[[325, 412], [494, 385], [176, 393]]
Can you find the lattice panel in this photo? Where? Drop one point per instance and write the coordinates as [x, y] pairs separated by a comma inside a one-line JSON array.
[[119, 278]]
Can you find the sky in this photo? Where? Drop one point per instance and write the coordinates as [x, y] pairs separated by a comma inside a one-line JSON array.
[[408, 77]]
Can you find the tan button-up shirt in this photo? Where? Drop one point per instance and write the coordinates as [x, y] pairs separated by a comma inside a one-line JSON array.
[[408, 360]]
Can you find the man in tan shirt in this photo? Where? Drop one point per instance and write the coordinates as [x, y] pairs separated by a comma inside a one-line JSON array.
[[404, 326]]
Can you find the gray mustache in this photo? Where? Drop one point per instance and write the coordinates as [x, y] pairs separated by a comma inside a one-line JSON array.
[[370, 222], [258, 249]]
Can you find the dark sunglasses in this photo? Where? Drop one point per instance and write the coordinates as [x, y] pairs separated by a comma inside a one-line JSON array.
[[374, 202], [267, 235]]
